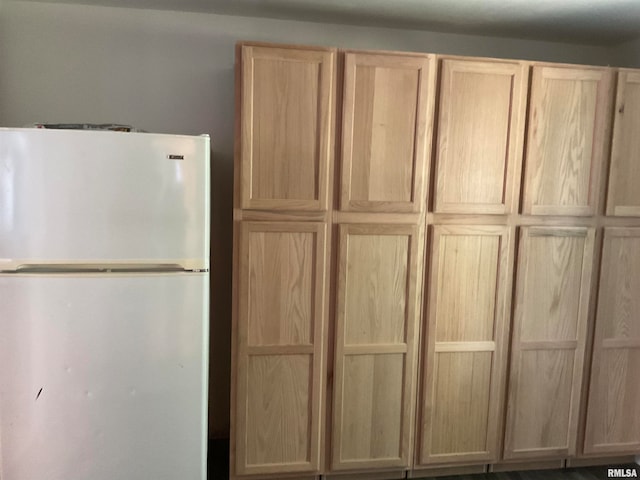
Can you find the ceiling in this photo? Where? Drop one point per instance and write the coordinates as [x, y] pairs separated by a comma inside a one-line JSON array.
[[599, 22]]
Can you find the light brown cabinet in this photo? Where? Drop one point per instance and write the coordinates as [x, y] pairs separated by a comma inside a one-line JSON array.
[[613, 414], [280, 346], [287, 102], [566, 140], [378, 292], [386, 128], [464, 360], [373, 297], [624, 194], [548, 341], [479, 135]]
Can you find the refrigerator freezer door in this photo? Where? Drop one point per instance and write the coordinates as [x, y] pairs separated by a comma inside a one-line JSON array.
[[90, 197], [103, 377]]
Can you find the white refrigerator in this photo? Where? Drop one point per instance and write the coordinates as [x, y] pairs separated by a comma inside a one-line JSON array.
[[104, 305]]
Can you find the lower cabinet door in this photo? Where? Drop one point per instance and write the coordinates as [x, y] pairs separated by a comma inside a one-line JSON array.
[[613, 412], [464, 359], [548, 341], [279, 358], [379, 278]]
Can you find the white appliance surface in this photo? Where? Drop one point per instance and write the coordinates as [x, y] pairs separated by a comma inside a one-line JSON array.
[[71, 196], [104, 305], [103, 377]]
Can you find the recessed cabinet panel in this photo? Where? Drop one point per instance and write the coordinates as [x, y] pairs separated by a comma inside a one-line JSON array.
[[624, 178], [379, 271], [387, 115], [613, 413], [281, 319], [287, 100], [479, 139], [549, 334], [566, 143], [463, 371]]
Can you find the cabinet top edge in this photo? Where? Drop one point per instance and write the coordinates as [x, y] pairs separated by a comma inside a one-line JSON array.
[[291, 46]]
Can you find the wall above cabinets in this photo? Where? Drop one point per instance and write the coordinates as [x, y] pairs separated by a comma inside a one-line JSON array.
[[435, 259]]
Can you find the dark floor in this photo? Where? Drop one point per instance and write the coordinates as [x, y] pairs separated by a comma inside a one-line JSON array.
[[218, 459], [590, 473], [219, 469]]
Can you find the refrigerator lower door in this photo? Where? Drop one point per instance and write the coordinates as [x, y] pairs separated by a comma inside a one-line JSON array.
[[103, 377]]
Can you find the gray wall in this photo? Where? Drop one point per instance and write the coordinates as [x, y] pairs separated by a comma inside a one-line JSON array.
[[173, 72]]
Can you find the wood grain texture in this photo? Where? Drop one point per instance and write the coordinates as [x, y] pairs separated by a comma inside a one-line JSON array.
[[287, 114], [377, 311], [566, 142], [387, 121], [613, 414], [463, 362], [479, 136], [280, 335], [548, 341], [624, 177]]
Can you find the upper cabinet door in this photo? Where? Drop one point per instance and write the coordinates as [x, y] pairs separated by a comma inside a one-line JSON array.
[[613, 414], [287, 98], [548, 341], [566, 140], [479, 136], [387, 119], [624, 194]]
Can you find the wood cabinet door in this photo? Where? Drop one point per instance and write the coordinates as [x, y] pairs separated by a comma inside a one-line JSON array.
[[286, 112], [624, 178], [386, 130], [479, 135], [548, 341], [566, 140], [379, 279], [613, 412], [464, 362], [280, 347]]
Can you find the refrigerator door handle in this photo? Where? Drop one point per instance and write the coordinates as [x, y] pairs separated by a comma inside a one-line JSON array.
[[95, 268]]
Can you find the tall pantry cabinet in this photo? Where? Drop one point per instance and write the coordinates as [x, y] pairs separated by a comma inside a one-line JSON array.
[[386, 126], [282, 240], [477, 153], [427, 277]]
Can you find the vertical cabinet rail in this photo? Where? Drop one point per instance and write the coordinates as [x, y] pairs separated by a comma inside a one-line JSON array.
[[467, 318], [567, 139], [613, 414], [479, 135], [548, 341]]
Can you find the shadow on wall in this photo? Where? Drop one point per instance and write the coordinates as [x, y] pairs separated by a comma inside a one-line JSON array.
[[221, 275]]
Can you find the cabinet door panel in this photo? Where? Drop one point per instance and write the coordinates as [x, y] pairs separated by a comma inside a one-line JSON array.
[[613, 413], [463, 372], [387, 119], [479, 139], [548, 346], [624, 195], [286, 115], [568, 119], [281, 321], [379, 278]]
